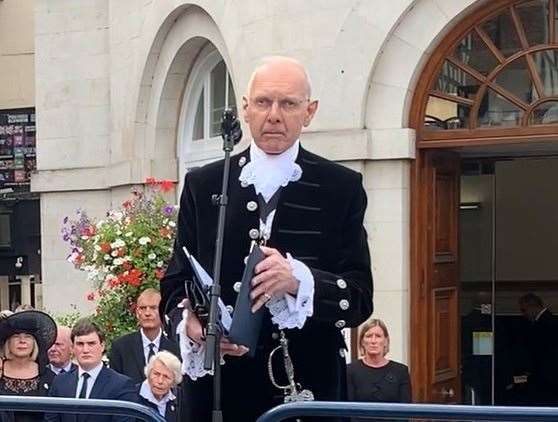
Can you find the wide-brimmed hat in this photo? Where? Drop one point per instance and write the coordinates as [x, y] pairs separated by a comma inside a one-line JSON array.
[[40, 325]]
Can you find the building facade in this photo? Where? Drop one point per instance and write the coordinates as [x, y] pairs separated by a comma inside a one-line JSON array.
[[20, 244], [425, 98]]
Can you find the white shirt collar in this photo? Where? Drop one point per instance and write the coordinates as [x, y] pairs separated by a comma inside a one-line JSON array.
[[146, 341], [57, 370], [146, 393], [540, 313], [93, 373], [268, 172]]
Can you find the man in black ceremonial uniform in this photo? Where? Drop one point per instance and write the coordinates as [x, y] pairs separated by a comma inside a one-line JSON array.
[[316, 278]]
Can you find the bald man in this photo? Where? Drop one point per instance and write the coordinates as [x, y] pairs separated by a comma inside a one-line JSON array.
[[315, 278], [60, 353]]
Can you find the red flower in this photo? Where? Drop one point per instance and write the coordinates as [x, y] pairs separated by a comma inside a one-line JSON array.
[[127, 265], [127, 204], [151, 181], [91, 296], [132, 277], [79, 260], [120, 252], [105, 247], [166, 185], [159, 273], [164, 232]]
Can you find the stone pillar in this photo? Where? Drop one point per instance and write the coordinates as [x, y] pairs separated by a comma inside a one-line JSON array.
[[25, 290], [4, 292]]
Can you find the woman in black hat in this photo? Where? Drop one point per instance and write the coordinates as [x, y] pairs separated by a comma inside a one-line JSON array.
[[25, 338]]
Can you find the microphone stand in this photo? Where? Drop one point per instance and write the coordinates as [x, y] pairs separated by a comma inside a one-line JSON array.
[[213, 332]]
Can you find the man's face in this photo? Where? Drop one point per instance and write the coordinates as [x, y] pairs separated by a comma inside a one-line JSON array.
[[147, 311], [160, 379], [278, 107], [61, 351], [88, 350], [529, 311]]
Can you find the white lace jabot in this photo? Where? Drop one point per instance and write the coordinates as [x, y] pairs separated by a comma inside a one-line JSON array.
[[268, 172]]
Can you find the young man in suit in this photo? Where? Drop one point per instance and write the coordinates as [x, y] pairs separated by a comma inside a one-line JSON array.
[[145, 342], [316, 278], [91, 379], [60, 353]]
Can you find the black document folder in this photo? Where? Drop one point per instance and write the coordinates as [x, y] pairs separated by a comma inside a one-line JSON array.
[[245, 326]]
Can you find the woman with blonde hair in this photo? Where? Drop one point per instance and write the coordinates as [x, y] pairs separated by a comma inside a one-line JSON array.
[[373, 377], [25, 338]]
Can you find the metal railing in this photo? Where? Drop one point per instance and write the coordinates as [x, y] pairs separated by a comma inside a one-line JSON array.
[[394, 411], [79, 406]]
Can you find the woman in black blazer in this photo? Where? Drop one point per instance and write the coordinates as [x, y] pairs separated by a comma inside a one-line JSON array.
[[163, 374]]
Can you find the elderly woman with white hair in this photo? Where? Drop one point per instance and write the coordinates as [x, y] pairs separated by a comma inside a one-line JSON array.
[[163, 373]]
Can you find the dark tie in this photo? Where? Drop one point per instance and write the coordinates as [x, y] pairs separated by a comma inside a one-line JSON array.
[[151, 352], [61, 371], [83, 392]]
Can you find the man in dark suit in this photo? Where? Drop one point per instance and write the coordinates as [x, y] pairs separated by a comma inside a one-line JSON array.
[[60, 353], [316, 277], [130, 353], [542, 346], [91, 379]]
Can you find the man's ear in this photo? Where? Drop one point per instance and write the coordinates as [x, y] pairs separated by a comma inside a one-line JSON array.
[[311, 109], [245, 109]]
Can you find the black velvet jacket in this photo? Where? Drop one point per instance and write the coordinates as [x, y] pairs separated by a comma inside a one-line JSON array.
[[319, 221]]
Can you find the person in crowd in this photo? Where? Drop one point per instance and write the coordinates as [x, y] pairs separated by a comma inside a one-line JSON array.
[[91, 379], [541, 344], [315, 278], [60, 354], [373, 377], [130, 353], [25, 337], [163, 374], [24, 307]]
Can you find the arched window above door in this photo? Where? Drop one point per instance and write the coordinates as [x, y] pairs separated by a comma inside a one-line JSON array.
[[498, 71]]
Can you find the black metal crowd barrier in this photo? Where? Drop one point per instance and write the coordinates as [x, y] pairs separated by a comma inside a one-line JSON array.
[[79, 406], [393, 412]]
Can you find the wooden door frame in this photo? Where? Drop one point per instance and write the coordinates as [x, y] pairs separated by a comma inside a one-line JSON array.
[[439, 140]]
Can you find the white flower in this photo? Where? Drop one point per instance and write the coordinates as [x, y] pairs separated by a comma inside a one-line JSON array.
[[118, 243], [85, 237], [107, 257], [114, 253], [152, 256], [117, 215], [118, 261], [172, 224], [100, 223], [128, 234], [160, 264], [144, 240], [97, 248]]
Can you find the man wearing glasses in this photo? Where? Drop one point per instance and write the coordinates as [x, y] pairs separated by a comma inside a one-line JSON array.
[[315, 278]]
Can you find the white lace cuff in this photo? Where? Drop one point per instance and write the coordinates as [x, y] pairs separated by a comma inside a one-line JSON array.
[[192, 354], [289, 311]]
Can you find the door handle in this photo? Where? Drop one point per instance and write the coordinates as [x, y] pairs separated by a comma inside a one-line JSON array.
[[448, 393]]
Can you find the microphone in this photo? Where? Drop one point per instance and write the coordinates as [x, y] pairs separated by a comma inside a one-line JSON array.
[[230, 127]]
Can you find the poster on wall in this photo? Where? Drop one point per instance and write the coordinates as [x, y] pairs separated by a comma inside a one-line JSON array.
[[17, 148]]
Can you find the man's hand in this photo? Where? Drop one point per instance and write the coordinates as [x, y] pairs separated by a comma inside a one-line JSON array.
[[194, 331], [274, 277]]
